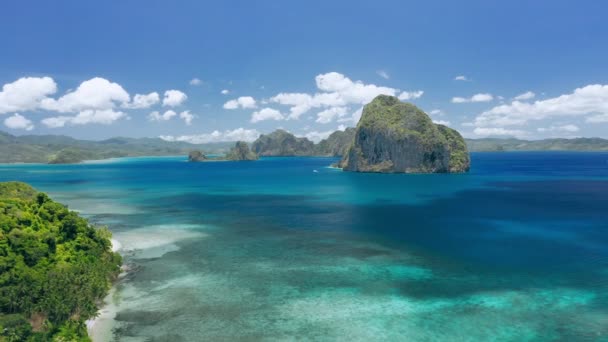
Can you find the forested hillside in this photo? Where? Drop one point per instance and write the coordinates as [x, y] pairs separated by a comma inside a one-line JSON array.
[[55, 267]]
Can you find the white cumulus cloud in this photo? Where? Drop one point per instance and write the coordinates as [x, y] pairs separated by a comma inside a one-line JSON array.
[[166, 116], [412, 95], [525, 96], [241, 134], [481, 97], [195, 81], [266, 114], [330, 114], [187, 117], [590, 101], [26, 93], [174, 98], [241, 102], [143, 101], [94, 94], [85, 117], [225, 92], [461, 78], [18, 121], [316, 136], [94, 101], [170, 114], [499, 131], [354, 117], [350, 91], [335, 90]]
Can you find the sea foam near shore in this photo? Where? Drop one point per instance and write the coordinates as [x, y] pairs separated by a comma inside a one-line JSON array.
[[142, 243]]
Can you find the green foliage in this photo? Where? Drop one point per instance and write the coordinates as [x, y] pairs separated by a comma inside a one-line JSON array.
[[388, 113], [71, 156], [403, 121], [54, 267], [282, 143], [14, 327], [17, 190], [459, 155]]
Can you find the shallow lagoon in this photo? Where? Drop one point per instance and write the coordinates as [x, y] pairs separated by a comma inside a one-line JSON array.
[[272, 250]]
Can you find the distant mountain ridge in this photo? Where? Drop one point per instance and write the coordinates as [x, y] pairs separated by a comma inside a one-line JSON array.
[[58, 149], [65, 149], [575, 144]]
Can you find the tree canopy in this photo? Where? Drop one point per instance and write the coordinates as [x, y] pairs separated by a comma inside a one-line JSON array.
[[55, 267]]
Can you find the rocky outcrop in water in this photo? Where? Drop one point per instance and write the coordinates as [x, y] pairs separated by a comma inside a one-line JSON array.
[[196, 156], [241, 151], [282, 143], [393, 136]]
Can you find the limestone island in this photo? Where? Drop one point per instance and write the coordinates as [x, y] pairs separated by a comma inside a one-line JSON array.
[[397, 137], [282, 143], [240, 152]]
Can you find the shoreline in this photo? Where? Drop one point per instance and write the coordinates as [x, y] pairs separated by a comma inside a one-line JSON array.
[[92, 161], [100, 328], [118, 159]]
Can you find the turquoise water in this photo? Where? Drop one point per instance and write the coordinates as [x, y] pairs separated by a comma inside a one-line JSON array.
[[287, 248]]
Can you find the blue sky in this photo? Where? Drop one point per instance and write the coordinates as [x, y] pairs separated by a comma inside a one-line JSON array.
[[75, 67]]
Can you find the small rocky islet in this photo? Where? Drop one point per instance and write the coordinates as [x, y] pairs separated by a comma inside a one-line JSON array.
[[240, 152]]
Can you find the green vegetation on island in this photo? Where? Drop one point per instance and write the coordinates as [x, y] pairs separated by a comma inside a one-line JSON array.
[[55, 267], [282, 143], [393, 136], [460, 160]]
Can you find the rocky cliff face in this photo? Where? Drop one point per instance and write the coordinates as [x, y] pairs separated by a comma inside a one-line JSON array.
[[337, 144], [393, 136], [241, 151], [282, 143]]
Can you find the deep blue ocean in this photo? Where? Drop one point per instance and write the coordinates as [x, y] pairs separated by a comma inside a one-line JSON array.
[[290, 249]]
